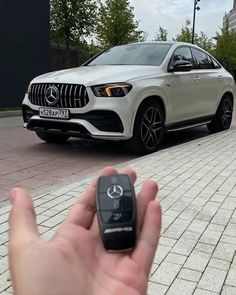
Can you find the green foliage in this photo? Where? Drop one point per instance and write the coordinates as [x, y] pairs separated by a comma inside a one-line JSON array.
[[226, 46], [202, 41], [116, 24], [71, 21], [161, 35], [205, 42], [186, 33]]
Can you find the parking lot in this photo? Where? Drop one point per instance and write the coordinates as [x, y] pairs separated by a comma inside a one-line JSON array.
[[27, 161]]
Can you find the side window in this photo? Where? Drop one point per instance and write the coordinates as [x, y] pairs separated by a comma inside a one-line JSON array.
[[203, 60], [216, 65], [182, 53]]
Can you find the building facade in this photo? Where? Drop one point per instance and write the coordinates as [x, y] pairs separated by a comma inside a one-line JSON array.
[[232, 18], [24, 46]]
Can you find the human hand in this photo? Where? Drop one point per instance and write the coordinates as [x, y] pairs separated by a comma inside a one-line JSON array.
[[74, 261]]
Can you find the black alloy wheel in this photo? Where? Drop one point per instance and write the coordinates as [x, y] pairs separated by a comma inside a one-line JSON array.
[[148, 128], [223, 117]]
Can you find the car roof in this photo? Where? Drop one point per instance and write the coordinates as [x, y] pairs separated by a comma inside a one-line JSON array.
[[161, 42]]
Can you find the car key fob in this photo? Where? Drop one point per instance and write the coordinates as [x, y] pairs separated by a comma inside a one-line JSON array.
[[116, 211]]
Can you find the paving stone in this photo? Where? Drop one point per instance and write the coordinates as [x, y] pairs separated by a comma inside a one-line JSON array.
[[167, 241], [197, 261], [228, 290], [161, 253], [203, 292], [190, 275], [166, 273], [154, 289], [212, 279], [231, 277], [176, 258], [186, 243], [182, 287], [219, 264], [204, 248], [198, 226], [5, 283], [224, 251]]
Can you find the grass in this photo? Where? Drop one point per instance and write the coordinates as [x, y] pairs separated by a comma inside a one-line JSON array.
[[10, 109]]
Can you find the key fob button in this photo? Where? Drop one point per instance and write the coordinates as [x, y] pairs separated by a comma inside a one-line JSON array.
[[126, 203], [116, 216], [108, 203]]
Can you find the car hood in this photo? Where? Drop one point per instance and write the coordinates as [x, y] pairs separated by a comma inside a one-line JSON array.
[[93, 75]]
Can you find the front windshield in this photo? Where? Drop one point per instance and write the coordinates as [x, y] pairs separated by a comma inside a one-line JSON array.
[[151, 54]]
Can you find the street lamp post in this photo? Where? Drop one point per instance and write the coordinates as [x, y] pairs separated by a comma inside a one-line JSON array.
[[196, 7]]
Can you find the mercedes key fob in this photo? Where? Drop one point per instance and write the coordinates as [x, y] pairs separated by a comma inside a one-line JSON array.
[[116, 211]]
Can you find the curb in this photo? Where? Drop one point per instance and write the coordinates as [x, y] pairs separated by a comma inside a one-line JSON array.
[[5, 114]]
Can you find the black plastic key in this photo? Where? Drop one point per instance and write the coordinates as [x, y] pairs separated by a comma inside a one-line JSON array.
[[116, 211]]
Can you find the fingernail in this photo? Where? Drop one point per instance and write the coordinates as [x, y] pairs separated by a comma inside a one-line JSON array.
[[13, 196]]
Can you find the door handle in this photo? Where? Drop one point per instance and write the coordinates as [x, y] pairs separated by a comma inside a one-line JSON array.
[[220, 77], [196, 79]]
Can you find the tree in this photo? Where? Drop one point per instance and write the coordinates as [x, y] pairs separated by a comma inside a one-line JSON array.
[[186, 33], [205, 42], [71, 21], [162, 35], [116, 24], [201, 40], [226, 46]]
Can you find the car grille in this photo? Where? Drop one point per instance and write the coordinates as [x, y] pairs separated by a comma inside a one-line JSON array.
[[69, 95]]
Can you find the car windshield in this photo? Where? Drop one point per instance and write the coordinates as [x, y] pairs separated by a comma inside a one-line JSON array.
[[151, 54]]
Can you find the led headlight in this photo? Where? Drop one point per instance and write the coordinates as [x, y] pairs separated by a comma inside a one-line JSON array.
[[112, 90]]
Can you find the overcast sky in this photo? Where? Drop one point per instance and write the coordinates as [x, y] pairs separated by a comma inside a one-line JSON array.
[[171, 14]]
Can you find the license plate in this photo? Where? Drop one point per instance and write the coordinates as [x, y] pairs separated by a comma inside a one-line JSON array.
[[54, 113]]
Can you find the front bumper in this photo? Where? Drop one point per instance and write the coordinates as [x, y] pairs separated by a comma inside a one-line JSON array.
[[100, 124]]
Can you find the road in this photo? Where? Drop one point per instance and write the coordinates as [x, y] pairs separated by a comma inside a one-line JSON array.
[[35, 165]]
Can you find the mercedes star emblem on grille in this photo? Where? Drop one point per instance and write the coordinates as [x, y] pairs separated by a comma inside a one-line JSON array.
[[52, 95], [115, 191]]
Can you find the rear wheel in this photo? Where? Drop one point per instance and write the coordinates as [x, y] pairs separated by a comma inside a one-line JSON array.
[[223, 117], [52, 138], [148, 128]]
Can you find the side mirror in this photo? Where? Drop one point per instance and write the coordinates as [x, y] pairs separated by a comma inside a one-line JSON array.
[[181, 66]]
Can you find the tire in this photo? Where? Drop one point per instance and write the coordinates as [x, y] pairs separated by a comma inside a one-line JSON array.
[[52, 138], [223, 117], [148, 128]]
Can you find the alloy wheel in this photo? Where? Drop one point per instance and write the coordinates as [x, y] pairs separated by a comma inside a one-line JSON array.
[[226, 113], [151, 127]]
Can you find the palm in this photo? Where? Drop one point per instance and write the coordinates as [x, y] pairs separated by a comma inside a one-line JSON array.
[[75, 261]]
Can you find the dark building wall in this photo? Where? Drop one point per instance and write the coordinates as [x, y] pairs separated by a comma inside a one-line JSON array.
[[24, 47]]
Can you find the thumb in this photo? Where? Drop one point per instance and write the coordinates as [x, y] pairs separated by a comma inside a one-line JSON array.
[[22, 220]]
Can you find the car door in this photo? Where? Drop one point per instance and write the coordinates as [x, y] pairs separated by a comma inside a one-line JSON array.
[[182, 89], [209, 81]]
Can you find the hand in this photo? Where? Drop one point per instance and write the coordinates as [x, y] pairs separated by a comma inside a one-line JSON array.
[[75, 262]]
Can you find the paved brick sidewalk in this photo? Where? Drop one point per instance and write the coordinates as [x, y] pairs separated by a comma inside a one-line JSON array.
[[196, 253]]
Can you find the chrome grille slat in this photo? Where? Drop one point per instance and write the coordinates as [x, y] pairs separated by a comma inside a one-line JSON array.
[[70, 95]]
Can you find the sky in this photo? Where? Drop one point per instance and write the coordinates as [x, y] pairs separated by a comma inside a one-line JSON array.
[[171, 14]]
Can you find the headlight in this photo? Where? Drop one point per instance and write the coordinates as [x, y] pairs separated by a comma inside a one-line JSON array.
[[112, 90]]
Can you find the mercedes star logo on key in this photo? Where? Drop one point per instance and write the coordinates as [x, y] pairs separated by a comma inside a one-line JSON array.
[[115, 191], [52, 95]]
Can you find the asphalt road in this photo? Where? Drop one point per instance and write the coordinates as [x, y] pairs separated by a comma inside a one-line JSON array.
[[35, 165]]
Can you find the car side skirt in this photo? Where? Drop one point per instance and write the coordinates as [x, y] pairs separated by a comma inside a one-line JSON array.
[[189, 123]]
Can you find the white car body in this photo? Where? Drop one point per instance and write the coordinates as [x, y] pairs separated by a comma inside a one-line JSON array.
[[189, 98]]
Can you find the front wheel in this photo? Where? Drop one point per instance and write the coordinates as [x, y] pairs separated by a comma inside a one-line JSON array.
[[52, 138], [223, 117], [148, 128]]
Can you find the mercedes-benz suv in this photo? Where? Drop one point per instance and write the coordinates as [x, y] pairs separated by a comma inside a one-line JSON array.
[[135, 93]]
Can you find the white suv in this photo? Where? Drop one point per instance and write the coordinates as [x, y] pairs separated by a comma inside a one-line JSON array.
[[135, 93]]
